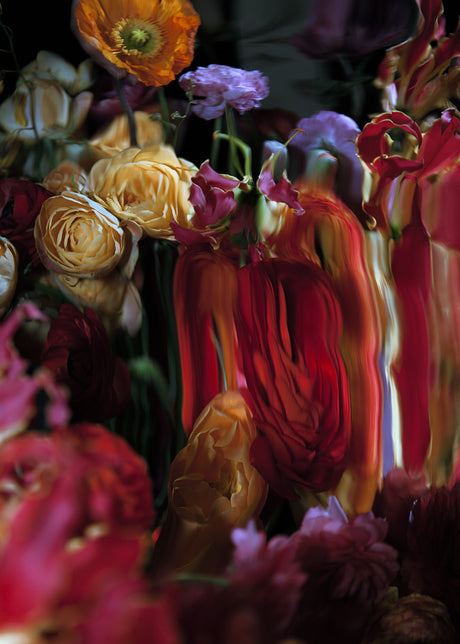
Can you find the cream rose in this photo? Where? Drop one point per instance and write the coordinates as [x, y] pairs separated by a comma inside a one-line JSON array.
[[8, 274], [43, 109], [77, 236], [150, 186]]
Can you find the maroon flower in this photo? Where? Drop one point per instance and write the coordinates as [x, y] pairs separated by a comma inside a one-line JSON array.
[[77, 350], [432, 565], [20, 203], [394, 502], [349, 570]]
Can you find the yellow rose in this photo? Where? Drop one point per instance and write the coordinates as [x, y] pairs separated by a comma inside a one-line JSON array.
[[77, 236], [116, 136], [150, 186], [212, 488], [8, 274]]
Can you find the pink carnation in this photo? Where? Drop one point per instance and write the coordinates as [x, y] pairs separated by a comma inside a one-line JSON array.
[[220, 85]]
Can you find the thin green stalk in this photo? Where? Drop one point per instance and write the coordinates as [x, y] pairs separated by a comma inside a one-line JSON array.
[[127, 109]]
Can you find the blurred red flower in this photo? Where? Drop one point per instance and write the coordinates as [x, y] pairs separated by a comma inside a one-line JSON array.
[[20, 203], [77, 350], [289, 325]]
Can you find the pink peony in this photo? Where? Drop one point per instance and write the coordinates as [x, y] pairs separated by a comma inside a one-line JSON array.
[[221, 85]]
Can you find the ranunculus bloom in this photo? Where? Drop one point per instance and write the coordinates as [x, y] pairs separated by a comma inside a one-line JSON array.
[[149, 186], [151, 40], [269, 572], [289, 326], [349, 569], [20, 203], [77, 236], [116, 136], [77, 351], [221, 85], [66, 176], [212, 488], [8, 274]]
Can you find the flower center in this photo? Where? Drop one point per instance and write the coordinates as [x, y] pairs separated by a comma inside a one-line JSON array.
[[135, 36]]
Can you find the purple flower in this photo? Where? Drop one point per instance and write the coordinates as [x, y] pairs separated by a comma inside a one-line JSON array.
[[334, 134], [220, 85]]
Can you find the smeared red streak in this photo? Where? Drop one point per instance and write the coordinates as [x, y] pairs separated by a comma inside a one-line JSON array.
[[411, 267], [204, 301], [331, 236]]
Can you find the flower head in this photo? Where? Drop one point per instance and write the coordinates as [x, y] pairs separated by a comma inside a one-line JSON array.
[[151, 40], [221, 85]]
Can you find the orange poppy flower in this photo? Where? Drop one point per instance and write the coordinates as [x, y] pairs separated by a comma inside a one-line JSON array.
[[151, 39]]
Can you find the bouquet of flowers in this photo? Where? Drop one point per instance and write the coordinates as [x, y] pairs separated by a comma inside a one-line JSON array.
[[230, 356]]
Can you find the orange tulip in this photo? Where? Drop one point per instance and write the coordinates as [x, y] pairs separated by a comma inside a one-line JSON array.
[[212, 488]]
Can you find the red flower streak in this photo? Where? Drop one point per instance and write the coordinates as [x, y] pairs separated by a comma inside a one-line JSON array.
[[288, 326]]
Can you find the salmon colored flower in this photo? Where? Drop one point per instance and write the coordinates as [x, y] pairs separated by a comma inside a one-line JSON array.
[[8, 274], [66, 176], [289, 326], [212, 488], [149, 186], [115, 137], [152, 40]]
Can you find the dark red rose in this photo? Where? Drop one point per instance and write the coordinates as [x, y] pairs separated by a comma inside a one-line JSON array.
[[288, 325], [20, 203], [77, 350]]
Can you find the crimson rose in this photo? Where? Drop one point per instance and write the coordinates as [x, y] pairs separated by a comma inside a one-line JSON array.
[[77, 351], [20, 203]]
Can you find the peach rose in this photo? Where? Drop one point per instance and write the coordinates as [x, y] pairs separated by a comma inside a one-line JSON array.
[[77, 236], [67, 176], [150, 186], [212, 488], [8, 273], [116, 137]]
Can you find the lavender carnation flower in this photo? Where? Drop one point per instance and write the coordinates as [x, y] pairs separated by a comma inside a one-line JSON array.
[[220, 85]]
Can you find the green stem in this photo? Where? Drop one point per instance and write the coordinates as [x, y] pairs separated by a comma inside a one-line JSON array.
[[127, 109], [215, 143]]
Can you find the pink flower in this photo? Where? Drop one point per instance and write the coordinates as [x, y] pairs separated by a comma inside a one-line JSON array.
[[221, 85], [268, 572]]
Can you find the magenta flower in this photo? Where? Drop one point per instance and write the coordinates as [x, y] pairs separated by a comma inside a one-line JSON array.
[[220, 85], [349, 570]]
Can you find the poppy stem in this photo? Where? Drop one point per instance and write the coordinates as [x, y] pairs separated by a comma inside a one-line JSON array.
[[127, 109]]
